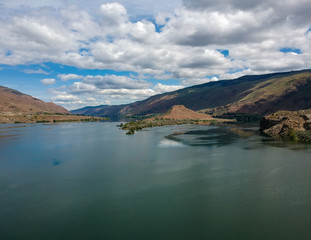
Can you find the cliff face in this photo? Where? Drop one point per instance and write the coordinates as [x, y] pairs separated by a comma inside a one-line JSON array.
[[294, 126]]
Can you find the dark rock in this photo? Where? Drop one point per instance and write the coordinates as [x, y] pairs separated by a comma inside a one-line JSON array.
[[307, 126], [267, 122], [307, 117]]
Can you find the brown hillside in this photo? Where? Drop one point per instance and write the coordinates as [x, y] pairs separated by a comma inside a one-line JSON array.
[[181, 112], [256, 94], [291, 92], [13, 102]]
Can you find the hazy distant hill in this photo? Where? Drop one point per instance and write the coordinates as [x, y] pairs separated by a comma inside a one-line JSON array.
[[12, 101], [257, 94], [112, 111]]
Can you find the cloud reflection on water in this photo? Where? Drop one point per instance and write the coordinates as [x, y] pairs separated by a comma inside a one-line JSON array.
[[170, 143]]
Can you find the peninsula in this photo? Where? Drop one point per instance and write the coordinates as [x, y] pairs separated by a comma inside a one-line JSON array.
[[177, 115]]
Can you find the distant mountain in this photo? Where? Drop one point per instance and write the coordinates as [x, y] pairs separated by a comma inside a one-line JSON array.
[[12, 101], [256, 94], [102, 110]]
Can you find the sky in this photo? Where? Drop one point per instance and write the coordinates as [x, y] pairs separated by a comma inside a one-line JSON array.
[[80, 53]]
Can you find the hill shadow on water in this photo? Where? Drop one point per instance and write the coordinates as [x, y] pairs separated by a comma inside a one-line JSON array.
[[226, 135], [210, 137]]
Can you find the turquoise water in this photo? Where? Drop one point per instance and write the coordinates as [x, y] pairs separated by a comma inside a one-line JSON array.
[[91, 181]]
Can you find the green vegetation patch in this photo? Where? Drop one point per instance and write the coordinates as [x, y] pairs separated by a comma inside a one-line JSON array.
[[134, 126]]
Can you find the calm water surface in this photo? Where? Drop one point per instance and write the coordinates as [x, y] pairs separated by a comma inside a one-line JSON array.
[[91, 181]]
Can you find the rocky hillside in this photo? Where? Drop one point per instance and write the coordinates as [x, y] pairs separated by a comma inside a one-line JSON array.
[[295, 126], [257, 94], [14, 102]]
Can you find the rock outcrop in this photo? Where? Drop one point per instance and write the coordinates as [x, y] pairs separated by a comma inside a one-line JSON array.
[[295, 126]]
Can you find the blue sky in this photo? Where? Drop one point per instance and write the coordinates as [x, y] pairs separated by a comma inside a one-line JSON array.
[[84, 53]]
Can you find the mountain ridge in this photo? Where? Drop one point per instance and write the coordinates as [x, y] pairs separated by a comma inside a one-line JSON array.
[[253, 94]]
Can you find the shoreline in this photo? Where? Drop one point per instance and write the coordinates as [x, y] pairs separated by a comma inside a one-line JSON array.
[[45, 118], [135, 126]]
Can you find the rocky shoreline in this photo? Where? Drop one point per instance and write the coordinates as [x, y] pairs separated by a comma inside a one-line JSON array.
[[287, 125], [283, 125]]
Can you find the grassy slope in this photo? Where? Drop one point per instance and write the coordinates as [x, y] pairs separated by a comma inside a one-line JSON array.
[[278, 93]]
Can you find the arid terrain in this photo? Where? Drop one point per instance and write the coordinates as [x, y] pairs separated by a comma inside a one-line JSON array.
[[179, 112], [15, 102], [16, 107]]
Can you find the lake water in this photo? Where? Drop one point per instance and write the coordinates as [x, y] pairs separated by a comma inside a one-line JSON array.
[[91, 181]]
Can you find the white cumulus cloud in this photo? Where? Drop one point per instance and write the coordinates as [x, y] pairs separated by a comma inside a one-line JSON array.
[[38, 71], [65, 98], [184, 41], [66, 77], [48, 81], [161, 88]]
